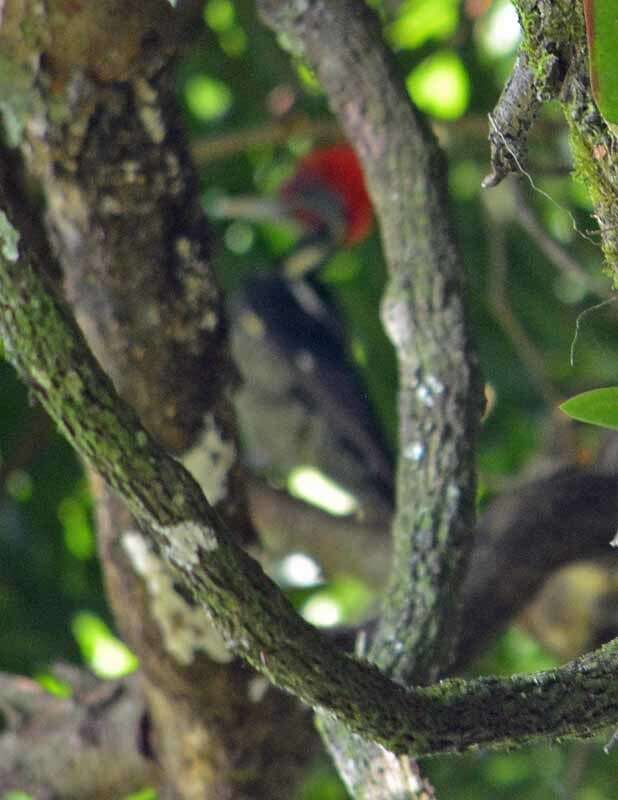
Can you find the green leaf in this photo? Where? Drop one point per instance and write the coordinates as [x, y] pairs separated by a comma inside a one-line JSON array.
[[16, 796], [207, 98], [106, 655], [440, 85], [598, 407], [144, 794], [422, 20], [602, 33]]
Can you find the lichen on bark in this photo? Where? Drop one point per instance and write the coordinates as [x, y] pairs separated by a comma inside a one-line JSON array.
[[554, 54]]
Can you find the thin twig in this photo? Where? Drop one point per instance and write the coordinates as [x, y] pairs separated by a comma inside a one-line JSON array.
[[231, 143], [553, 251]]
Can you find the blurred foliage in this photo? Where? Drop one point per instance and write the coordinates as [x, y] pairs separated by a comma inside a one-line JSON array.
[[144, 794], [16, 796], [106, 655], [235, 79], [48, 570]]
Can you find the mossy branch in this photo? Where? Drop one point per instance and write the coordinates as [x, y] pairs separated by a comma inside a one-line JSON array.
[[553, 63], [43, 342]]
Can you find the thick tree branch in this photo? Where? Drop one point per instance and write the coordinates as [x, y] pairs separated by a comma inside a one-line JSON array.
[[526, 535], [43, 342], [439, 393], [439, 385]]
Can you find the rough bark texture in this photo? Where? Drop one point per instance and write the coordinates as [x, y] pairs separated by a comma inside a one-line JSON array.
[[91, 745], [369, 771], [440, 390], [513, 117], [97, 120], [220, 726]]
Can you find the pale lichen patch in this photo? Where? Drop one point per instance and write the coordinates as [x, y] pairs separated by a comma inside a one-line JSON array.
[[144, 91], [210, 320], [424, 395], [257, 688], [397, 321], [210, 460], [453, 493], [182, 246], [184, 541], [414, 451], [429, 390], [389, 774], [138, 551], [152, 120], [435, 385], [185, 629], [9, 239]]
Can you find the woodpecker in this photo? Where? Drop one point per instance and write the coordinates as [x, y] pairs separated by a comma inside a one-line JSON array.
[[301, 401], [328, 191], [328, 199]]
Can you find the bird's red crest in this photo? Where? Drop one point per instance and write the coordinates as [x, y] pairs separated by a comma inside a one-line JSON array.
[[338, 169]]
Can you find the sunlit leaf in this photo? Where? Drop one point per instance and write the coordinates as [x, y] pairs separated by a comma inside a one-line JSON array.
[[345, 599], [314, 487], [143, 794], [219, 15], [106, 655], [440, 85], [298, 570], [322, 610], [207, 97], [498, 31], [421, 20], [74, 515], [598, 407], [308, 78], [53, 685]]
